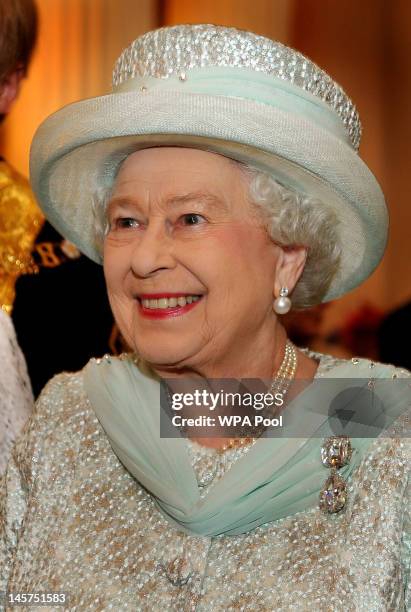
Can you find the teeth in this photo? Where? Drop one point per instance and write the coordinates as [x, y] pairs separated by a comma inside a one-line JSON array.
[[172, 302]]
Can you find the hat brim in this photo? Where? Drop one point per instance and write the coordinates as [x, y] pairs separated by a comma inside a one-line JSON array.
[[78, 149]]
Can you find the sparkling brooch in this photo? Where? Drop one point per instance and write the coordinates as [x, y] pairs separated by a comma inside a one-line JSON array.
[[335, 452]]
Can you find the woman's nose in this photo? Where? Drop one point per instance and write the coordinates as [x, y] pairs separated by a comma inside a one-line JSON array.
[[153, 251]]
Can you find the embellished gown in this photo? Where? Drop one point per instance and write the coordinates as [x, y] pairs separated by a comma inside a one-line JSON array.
[[74, 520]]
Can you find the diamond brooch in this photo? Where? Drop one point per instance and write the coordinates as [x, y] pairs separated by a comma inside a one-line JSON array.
[[335, 452]]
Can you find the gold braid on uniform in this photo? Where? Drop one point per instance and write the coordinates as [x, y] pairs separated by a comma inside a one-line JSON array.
[[20, 222]]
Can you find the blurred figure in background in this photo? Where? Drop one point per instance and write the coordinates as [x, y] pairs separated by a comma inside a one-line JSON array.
[[68, 287], [20, 221], [53, 273], [20, 218]]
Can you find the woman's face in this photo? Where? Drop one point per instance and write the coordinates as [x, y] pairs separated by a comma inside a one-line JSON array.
[[189, 267]]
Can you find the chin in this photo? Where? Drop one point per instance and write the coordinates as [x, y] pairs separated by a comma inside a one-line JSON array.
[[164, 356]]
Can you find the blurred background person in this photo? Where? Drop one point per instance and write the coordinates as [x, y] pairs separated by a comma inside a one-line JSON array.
[[37, 266], [20, 217], [67, 287], [20, 221]]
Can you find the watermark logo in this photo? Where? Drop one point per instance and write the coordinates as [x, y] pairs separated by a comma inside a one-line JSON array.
[[232, 408]]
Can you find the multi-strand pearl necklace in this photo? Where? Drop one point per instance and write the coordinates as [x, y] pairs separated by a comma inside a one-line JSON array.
[[281, 383]]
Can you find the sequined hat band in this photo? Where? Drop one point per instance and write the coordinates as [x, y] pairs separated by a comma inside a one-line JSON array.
[[246, 84], [178, 49]]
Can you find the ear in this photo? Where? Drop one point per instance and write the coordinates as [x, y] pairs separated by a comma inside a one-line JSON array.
[[9, 90], [290, 266]]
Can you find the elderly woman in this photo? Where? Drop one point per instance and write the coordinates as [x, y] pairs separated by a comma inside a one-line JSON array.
[[219, 184]]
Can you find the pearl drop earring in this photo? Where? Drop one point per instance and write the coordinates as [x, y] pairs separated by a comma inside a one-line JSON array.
[[282, 304]]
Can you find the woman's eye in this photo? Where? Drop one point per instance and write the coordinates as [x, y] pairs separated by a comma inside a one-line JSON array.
[[192, 219], [125, 223]]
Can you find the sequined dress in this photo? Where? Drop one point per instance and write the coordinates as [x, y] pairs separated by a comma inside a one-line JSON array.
[[75, 520]]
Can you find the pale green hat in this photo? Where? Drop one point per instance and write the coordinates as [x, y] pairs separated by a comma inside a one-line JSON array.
[[223, 90]]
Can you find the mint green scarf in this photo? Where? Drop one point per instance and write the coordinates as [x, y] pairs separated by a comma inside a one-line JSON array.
[[277, 477]]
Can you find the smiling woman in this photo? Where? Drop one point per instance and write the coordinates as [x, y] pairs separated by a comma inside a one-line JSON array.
[[153, 250], [219, 185]]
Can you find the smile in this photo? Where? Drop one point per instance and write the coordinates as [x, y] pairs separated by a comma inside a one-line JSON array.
[[166, 305]]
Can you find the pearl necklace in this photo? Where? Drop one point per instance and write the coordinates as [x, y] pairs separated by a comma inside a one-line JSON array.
[[281, 383]]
